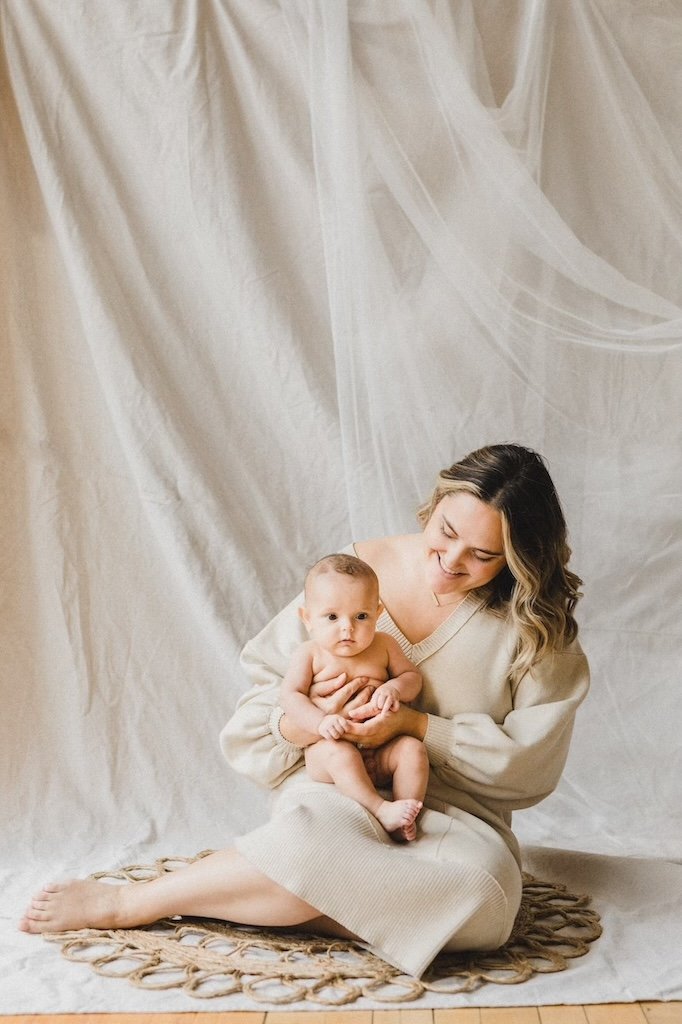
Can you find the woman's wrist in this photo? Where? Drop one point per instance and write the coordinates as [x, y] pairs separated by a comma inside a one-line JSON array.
[[416, 722]]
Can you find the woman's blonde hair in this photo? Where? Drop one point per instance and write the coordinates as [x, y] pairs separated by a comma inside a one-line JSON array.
[[536, 590]]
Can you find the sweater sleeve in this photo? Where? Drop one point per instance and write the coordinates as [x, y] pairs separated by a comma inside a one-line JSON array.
[[517, 762], [251, 741]]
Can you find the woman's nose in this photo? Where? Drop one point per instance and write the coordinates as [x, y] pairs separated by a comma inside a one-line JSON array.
[[453, 556]]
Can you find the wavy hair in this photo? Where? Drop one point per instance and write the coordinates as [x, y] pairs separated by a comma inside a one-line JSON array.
[[536, 591]]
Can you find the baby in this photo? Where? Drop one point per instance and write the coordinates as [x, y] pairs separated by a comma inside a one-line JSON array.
[[340, 614]]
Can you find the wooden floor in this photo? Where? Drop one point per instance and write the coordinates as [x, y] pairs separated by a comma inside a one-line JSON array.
[[604, 1013]]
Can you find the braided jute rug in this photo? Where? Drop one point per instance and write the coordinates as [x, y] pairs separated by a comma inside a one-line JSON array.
[[207, 959]]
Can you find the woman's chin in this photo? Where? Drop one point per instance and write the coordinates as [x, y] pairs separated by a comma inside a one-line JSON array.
[[448, 591], [442, 583]]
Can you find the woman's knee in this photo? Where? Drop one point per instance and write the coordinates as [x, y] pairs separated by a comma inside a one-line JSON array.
[[487, 928]]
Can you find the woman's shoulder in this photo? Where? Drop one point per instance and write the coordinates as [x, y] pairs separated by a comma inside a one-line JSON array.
[[382, 551]]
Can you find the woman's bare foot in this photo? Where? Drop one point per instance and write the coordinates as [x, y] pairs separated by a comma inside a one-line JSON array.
[[399, 818], [69, 906]]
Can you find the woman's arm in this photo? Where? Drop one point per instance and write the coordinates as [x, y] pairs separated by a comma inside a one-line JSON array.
[[518, 762], [251, 741], [384, 727]]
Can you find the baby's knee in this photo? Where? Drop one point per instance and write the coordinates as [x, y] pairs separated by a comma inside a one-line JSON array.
[[340, 752], [328, 754], [317, 753], [410, 746]]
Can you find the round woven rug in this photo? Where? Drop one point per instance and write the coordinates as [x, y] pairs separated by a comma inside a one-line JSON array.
[[206, 959]]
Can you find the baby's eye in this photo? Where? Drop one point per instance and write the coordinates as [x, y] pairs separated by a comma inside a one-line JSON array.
[[362, 616], [332, 616]]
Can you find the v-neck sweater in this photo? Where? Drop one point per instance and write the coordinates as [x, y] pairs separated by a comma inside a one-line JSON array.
[[493, 747], [422, 649]]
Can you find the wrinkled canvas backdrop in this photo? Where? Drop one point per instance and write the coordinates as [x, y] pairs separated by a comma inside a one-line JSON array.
[[266, 268]]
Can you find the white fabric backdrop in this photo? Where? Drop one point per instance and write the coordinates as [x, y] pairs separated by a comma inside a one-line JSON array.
[[268, 266]]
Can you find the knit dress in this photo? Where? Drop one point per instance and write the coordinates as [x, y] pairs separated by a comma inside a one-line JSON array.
[[493, 747]]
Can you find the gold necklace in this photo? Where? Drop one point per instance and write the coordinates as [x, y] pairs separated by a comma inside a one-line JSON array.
[[457, 599]]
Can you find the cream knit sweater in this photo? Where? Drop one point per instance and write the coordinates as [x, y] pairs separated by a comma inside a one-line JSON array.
[[493, 747]]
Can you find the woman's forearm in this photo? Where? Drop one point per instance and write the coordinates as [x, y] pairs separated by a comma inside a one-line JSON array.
[[417, 722], [371, 733], [375, 731]]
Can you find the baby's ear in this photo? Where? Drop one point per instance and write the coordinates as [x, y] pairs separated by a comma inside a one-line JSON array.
[[303, 616], [380, 609]]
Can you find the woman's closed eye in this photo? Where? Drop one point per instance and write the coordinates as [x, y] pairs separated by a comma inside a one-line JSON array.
[[448, 532]]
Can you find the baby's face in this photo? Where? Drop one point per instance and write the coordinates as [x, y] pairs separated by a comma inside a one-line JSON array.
[[341, 613]]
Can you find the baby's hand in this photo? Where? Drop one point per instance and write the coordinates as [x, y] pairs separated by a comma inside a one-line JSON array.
[[386, 698], [332, 727]]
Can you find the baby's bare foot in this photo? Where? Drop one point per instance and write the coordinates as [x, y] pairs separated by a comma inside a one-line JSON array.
[[69, 906], [398, 816], [406, 834]]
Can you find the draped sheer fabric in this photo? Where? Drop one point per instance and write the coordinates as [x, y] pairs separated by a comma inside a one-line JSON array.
[[267, 267]]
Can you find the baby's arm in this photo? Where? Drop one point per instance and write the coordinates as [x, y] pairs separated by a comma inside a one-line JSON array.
[[403, 683], [296, 702]]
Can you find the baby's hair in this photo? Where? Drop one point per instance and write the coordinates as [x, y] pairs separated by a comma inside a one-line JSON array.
[[346, 565]]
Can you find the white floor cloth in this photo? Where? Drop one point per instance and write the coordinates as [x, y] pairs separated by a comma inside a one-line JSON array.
[[267, 266], [640, 902]]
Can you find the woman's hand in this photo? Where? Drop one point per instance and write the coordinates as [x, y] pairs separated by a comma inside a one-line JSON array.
[[337, 696], [376, 731]]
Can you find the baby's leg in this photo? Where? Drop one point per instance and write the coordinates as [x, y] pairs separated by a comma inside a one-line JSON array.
[[340, 762], [404, 759]]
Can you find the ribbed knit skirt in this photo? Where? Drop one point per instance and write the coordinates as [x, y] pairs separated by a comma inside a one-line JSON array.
[[456, 886]]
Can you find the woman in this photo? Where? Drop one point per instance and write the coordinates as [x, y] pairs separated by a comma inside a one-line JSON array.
[[482, 602]]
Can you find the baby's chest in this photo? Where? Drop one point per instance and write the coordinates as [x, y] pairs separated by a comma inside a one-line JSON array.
[[353, 667]]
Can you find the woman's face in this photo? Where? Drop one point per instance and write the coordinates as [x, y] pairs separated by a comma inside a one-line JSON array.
[[463, 544]]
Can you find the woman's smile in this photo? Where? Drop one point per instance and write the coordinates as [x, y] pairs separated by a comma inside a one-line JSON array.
[[464, 545], [449, 572]]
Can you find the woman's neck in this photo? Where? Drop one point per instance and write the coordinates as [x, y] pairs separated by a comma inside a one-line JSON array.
[[399, 564]]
